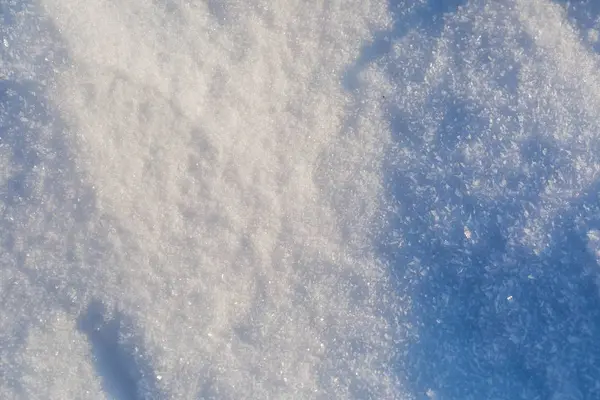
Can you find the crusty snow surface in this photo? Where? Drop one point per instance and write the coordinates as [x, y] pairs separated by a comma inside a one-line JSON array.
[[299, 199]]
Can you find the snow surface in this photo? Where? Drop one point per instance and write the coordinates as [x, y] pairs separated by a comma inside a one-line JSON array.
[[291, 199]]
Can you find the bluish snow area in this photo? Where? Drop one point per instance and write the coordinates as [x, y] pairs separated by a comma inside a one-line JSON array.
[[294, 199]]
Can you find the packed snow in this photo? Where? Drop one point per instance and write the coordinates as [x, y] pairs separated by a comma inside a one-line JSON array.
[[291, 199]]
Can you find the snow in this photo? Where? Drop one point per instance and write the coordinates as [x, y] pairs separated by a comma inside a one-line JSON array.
[[345, 199]]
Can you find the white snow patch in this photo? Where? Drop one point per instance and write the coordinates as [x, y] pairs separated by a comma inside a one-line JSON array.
[[213, 228]]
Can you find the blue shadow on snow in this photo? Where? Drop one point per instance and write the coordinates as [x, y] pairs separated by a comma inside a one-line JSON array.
[[492, 318]]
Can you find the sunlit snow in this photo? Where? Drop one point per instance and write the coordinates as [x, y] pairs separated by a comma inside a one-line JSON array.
[[291, 199]]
